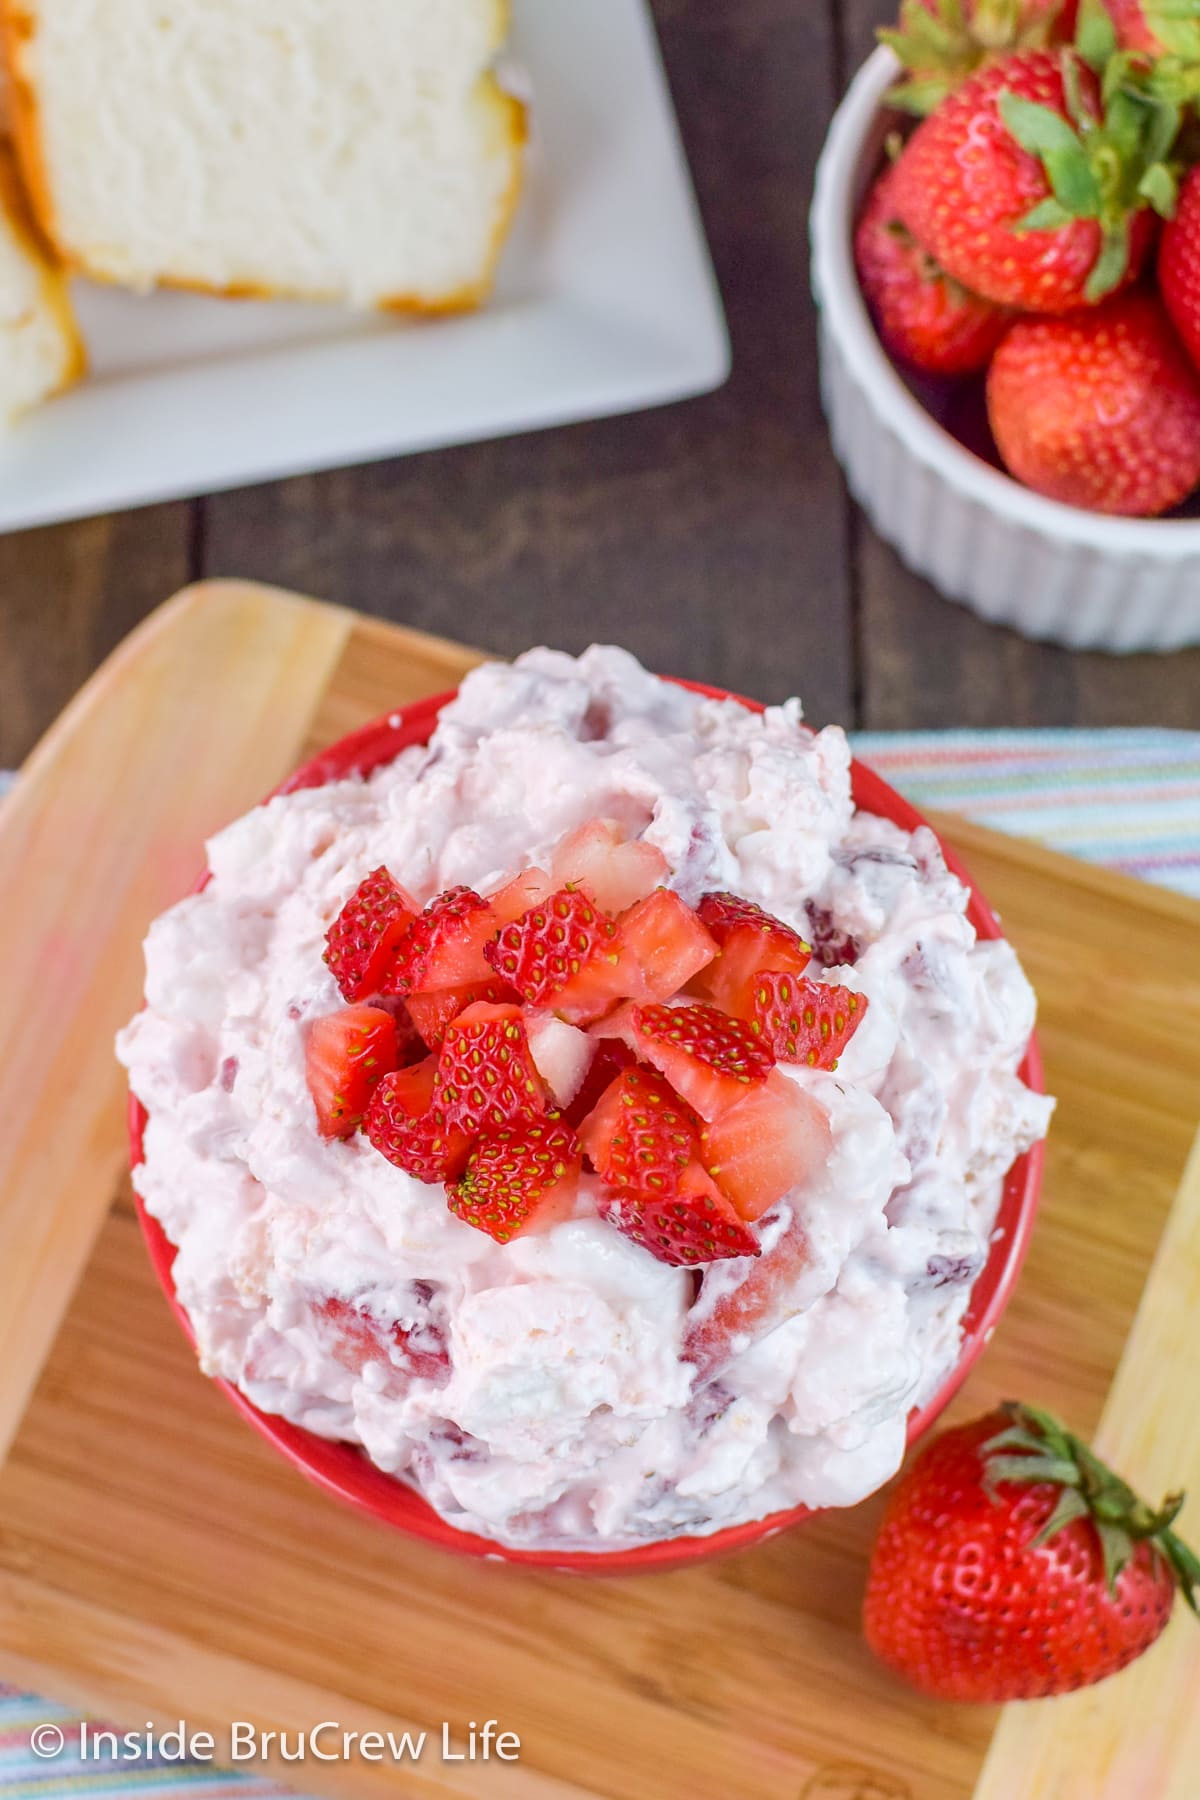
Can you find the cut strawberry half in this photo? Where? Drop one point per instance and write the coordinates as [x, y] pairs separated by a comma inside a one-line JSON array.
[[805, 1021], [518, 1177], [544, 953], [614, 869], [661, 947], [443, 947], [641, 1136], [709, 1059], [360, 943], [346, 1054], [406, 1121], [695, 1224], [487, 1078], [765, 1298], [432, 1012], [749, 940], [766, 1145], [532, 887]]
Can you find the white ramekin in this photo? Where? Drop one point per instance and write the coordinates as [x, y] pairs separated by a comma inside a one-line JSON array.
[[1050, 571]]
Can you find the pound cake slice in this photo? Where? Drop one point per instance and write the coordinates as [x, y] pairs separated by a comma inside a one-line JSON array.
[[40, 347], [355, 150]]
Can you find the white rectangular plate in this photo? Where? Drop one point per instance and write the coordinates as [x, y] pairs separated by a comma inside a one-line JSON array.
[[605, 302]]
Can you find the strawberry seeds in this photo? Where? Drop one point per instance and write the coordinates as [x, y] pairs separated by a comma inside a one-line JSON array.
[[585, 1019]]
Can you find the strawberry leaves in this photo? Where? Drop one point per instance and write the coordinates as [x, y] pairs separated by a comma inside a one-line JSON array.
[[1104, 169], [1035, 1449]]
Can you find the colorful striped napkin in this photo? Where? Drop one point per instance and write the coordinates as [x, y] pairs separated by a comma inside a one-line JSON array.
[[1127, 799]]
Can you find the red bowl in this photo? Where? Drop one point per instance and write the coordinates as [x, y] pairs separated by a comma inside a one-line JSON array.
[[346, 1472]]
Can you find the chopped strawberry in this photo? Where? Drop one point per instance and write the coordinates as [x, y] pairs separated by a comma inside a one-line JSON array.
[[406, 1121], [641, 1136], [432, 1012], [360, 943], [694, 1224], [530, 888], [546, 954], [517, 1177], [763, 1299], [612, 1055], [709, 1059], [749, 940], [410, 1045], [766, 1144], [346, 1054], [562, 1054], [488, 1080], [356, 1336], [662, 945], [615, 869], [805, 1021], [443, 947]]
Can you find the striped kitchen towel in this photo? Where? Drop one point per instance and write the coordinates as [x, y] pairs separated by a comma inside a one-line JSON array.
[[1128, 799]]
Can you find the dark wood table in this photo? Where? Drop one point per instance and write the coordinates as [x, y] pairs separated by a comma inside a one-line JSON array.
[[714, 538]]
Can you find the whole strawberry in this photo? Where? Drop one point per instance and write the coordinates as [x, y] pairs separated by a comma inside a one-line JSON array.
[[942, 42], [1100, 409], [1028, 189], [1179, 265], [923, 317], [1012, 1564], [1157, 27]]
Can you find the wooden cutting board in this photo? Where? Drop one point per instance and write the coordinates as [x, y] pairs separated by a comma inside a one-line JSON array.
[[158, 1562]]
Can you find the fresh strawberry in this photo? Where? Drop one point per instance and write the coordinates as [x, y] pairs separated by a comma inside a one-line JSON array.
[[640, 1136], [766, 1145], [1157, 27], [360, 943], [443, 947], [562, 1055], [356, 1336], [517, 1177], [749, 941], [432, 1012], [613, 868], [805, 1021], [347, 1053], [547, 953], [406, 1121], [764, 1298], [1022, 189], [923, 317], [1100, 410], [662, 945], [694, 1224], [532, 887], [1011, 1563], [410, 1045], [1179, 265], [487, 1078], [709, 1059], [942, 42], [611, 1056]]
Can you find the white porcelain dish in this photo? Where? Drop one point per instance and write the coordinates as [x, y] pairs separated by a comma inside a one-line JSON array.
[[1049, 570], [605, 302]]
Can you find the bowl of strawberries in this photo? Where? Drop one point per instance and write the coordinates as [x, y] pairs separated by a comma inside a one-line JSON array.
[[1006, 261]]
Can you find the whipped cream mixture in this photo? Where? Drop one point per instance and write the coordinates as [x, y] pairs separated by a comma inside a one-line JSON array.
[[541, 1396]]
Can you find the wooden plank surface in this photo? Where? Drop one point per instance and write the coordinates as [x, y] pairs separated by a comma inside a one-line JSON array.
[[207, 697], [1140, 1737], [156, 1559]]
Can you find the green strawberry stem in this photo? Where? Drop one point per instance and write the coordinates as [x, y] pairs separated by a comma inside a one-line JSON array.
[[940, 47], [1104, 169], [1035, 1448]]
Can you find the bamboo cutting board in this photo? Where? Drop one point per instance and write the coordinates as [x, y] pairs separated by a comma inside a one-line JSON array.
[[157, 1561]]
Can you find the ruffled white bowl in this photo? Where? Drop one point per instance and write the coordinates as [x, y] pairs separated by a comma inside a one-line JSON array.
[[1049, 570]]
